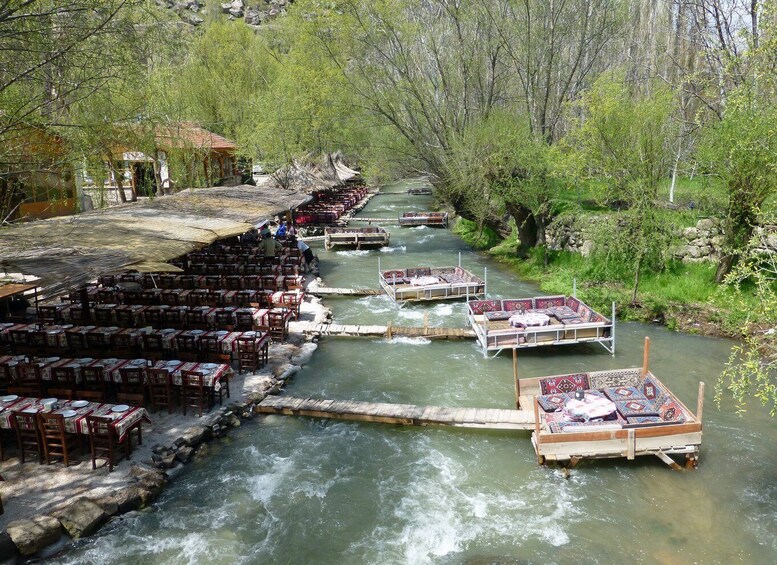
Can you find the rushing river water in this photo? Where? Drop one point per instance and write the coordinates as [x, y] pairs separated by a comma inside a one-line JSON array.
[[293, 490]]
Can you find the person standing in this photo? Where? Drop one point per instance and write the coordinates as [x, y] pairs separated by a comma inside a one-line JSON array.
[[307, 255], [269, 247], [280, 233]]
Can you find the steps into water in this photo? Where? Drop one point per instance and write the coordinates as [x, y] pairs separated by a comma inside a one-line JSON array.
[[345, 330], [403, 414]]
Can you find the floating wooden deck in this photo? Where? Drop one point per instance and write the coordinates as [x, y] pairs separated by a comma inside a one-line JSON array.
[[344, 330], [378, 220], [401, 414]]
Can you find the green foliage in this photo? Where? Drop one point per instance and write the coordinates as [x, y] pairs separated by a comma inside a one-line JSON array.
[[478, 236]]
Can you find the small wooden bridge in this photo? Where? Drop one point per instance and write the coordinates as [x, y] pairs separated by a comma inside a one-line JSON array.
[[389, 331], [401, 414]]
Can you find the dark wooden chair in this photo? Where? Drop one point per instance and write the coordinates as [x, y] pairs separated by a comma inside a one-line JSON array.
[[76, 342], [103, 316], [175, 318], [155, 317], [244, 320], [198, 297], [171, 297], [93, 379], [57, 443], [6, 379], [125, 317], [61, 393], [233, 282], [38, 342], [187, 349], [248, 354], [105, 443], [148, 296], [27, 434], [194, 394], [153, 346], [188, 282], [124, 345], [28, 375], [213, 282], [224, 319], [133, 381], [132, 399], [49, 314], [63, 378], [244, 298], [210, 350], [96, 343], [160, 388], [196, 319], [25, 391], [277, 322], [167, 281]]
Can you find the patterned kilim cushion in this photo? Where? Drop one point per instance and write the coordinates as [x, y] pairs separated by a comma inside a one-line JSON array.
[[552, 402], [606, 379], [499, 315], [518, 305], [650, 388], [481, 306], [629, 408], [564, 383], [670, 411], [642, 421], [547, 301], [557, 427], [624, 393], [573, 303]]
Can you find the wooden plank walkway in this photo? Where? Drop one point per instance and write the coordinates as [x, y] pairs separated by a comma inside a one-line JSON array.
[[326, 291], [403, 414], [344, 330], [379, 220]]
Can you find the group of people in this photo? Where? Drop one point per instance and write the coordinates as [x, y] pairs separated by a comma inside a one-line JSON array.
[[270, 246]]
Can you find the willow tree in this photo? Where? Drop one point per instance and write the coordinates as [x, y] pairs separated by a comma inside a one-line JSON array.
[[623, 138]]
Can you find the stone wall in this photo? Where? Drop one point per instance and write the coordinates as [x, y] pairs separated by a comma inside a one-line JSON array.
[[700, 243], [565, 234], [254, 12]]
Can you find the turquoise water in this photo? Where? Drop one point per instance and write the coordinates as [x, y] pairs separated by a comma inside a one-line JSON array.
[[290, 490]]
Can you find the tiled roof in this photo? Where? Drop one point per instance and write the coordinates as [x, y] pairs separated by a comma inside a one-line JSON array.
[[189, 134]]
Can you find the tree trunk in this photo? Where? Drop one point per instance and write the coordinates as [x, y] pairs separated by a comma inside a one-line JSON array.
[[527, 228], [636, 282], [725, 265], [117, 177]]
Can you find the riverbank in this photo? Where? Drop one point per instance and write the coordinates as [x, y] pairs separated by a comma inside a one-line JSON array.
[[46, 506]]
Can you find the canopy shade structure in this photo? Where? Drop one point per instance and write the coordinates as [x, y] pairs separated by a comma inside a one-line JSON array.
[[72, 250]]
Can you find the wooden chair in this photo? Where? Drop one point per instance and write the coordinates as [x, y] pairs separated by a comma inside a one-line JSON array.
[[196, 319], [57, 443], [155, 317], [96, 343], [187, 349], [61, 393], [25, 391], [20, 341], [132, 400], [233, 282], [188, 282], [90, 395], [124, 345], [160, 388], [224, 319], [210, 350], [93, 379], [153, 346], [125, 317], [193, 392], [244, 298], [133, 381], [277, 321], [198, 297], [167, 281], [103, 316], [63, 378], [38, 342], [105, 443], [171, 297], [212, 282], [76, 342], [244, 320], [248, 354], [27, 434], [6, 380], [48, 314], [175, 318], [28, 375]]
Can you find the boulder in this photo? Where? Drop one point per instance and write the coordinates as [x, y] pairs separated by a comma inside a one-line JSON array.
[[31, 535], [127, 499], [194, 436], [690, 233], [184, 454], [706, 224], [82, 517]]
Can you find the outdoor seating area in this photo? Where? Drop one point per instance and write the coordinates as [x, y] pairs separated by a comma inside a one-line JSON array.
[[432, 219], [430, 283], [614, 413], [538, 321], [371, 236], [328, 206]]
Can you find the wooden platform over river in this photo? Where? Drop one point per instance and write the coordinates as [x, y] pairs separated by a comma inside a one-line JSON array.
[[389, 331], [402, 414]]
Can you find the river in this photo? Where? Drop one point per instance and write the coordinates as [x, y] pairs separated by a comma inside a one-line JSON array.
[[292, 490]]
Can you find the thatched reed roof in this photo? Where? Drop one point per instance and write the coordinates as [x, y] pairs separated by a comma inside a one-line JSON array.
[[313, 173], [71, 250]]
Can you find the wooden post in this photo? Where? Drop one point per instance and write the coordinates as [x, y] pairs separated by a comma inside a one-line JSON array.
[[515, 378], [540, 458], [645, 357], [426, 323], [388, 330], [700, 402]]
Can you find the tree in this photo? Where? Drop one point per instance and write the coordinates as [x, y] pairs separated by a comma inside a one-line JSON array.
[[622, 137]]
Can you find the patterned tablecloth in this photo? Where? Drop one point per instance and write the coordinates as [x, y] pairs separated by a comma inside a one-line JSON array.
[[529, 319], [213, 373], [123, 421], [594, 406]]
